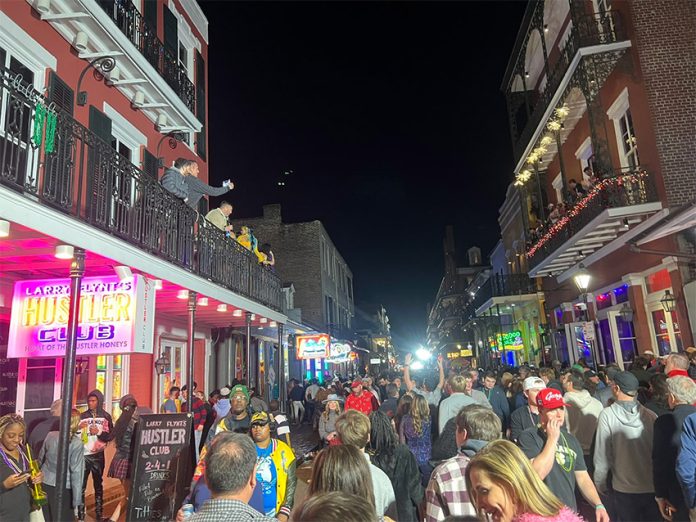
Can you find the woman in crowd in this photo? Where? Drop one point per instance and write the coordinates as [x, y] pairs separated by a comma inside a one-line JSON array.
[[504, 487], [402, 409], [342, 468], [658, 394], [414, 431], [327, 420], [333, 506], [48, 457], [125, 441], [15, 473], [398, 463]]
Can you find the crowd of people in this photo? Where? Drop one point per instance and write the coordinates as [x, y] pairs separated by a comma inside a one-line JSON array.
[[525, 444], [181, 179]]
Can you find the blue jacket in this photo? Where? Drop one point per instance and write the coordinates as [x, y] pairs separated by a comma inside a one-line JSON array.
[[686, 462], [499, 403]]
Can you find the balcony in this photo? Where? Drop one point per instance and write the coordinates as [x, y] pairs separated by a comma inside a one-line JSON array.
[[75, 173], [617, 207], [132, 24], [499, 289], [599, 39]]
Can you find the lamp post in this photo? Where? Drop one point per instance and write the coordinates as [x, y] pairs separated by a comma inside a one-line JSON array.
[[668, 302], [582, 280]]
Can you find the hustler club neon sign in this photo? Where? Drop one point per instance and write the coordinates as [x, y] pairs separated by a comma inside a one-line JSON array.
[[114, 317]]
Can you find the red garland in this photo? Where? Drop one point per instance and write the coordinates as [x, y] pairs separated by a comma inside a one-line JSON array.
[[580, 205]]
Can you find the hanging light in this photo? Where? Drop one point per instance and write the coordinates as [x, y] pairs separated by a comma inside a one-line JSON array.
[[237, 313], [222, 307], [582, 279], [4, 228], [202, 301], [668, 302], [562, 112], [162, 365], [64, 251], [263, 320], [546, 141], [182, 294], [554, 125], [273, 324], [124, 273], [626, 313], [158, 284]]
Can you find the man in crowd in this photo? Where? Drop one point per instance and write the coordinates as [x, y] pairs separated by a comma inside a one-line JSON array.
[[200, 413], [310, 398], [98, 426], [557, 456], [359, 399], [173, 179], [666, 446], [280, 422], [255, 402], [446, 494], [606, 395], [528, 415], [369, 387], [275, 469], [686, 464], [173, 403], [582, 413], [296, 397], [391, 403], [196, 189], [219, 216], [472, 388], [548, 375], [353, 429], [41, 430], [639, 369], [677, 364], [456, 386], [623, 442], [230, 473], [222, 404], [496, 397], [210, 416], [433, 397], [237, 419]]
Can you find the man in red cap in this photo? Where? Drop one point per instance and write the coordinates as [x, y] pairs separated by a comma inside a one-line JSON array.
[[359, 399], [557, 456]]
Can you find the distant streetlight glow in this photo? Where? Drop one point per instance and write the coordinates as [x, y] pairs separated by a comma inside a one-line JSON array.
[[417, 365], [423, 354]]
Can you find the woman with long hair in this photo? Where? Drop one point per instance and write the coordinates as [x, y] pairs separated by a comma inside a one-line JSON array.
[[414, 431], [15, 472], [48, 457], [120, 468], [402, 409], [504, 487], [397, 461], [327, 420], [342, 468]]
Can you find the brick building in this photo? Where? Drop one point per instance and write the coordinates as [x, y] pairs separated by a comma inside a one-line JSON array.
[[600, 94]]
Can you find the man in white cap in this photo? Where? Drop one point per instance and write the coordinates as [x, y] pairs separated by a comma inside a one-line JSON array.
[[528, 415]]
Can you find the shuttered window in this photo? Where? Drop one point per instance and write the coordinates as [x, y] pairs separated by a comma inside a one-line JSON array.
[[150, 164], [200, 105], [60, 93], [171, 31], [100, 124], [150, 13]]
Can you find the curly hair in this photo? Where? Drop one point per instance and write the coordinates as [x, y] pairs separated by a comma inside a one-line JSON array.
[[420, 412], [8, 420]]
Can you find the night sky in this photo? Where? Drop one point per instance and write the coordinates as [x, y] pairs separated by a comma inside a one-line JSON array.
[[391, 118]]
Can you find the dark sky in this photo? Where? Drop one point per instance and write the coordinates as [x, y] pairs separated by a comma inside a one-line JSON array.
[[391, 119]]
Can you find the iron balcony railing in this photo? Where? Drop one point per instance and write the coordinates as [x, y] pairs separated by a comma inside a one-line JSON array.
[[594, 29], [622, 189], [75, 172], [131, 23], [500, 285]]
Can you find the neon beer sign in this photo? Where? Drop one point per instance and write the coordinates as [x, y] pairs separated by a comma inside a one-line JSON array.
[[114, 317]]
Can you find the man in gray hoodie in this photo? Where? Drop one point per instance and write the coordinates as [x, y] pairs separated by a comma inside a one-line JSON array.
[[623, 445]]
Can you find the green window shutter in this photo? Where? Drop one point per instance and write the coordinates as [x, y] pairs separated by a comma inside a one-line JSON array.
[[201, 148], [171, 32], [150, 14], [60, 93], [150, 164], [100, 124]]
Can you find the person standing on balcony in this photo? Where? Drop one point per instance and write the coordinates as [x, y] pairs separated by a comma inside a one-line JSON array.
[[196, 188], [174, 179], [218, 217]]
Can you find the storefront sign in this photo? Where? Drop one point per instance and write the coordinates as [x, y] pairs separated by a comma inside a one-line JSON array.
[[466, 353], [511, 340], [312, 346], [339, 353], [114, 317], [376, 361]]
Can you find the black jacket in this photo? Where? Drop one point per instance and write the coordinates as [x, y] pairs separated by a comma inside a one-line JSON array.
[[521, 419], [405, 477], [666, 445]]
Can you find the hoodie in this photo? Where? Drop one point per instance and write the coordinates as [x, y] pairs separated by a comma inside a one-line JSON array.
[[96, 426], [222, 407], [582, 413], [623, 445]]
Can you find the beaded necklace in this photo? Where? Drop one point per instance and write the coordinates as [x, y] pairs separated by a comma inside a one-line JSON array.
[[11, 463], [570, 453]]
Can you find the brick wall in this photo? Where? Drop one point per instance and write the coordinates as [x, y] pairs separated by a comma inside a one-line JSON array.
[[665, 37]]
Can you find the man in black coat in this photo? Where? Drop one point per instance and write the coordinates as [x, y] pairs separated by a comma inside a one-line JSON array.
[[666, 447]]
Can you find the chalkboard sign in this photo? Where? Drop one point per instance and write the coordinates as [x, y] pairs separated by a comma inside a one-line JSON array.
[[8, 383], [161, 466]]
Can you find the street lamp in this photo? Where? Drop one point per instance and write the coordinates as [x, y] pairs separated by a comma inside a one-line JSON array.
[[162, 365], [582, 279], [668, 302], [423, 354]]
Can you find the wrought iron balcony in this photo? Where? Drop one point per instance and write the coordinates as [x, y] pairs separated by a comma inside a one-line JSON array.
[[623, 189], [74, 172], [131, 23], [501, 285], [587, 31]]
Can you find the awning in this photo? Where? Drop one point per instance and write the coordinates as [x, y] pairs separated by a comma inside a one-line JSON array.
[[676, 221]]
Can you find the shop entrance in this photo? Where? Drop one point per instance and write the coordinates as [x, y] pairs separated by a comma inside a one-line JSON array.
[[618, 339], [581, 343], [38, 386], [175, 351]]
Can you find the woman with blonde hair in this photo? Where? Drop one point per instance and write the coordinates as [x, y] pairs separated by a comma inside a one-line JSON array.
[[414, 431], [327, 420], [48, 457], [504, 487]]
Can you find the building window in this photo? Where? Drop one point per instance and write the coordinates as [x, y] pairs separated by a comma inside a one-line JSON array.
[[111, 381], [620, 113]]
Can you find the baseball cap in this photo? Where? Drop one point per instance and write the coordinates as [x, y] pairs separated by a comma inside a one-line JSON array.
[[356, 383], [590, 373], [225, 391], [550, 399], [261, 418], [612, 372], [240, 388], [627, 382], [533, 383]]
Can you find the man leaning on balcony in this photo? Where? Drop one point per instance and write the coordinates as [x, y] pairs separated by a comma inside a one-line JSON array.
[[181, 179], [218, 217]]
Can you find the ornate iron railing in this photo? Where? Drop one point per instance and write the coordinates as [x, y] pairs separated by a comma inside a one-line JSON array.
[[500, 285], [75, 172], [594, 29], [131, 23], [623, 189]]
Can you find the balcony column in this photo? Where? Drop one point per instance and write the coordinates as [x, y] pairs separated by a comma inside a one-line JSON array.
[[641, 319], [191, 341], [248, 349], [77, 270], [681, 310], [282, 385], [589, 85]]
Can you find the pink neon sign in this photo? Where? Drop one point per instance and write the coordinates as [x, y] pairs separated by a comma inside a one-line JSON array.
[[115, 317]]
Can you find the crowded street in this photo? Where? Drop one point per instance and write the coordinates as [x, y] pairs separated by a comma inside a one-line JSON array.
[[356, 261]]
